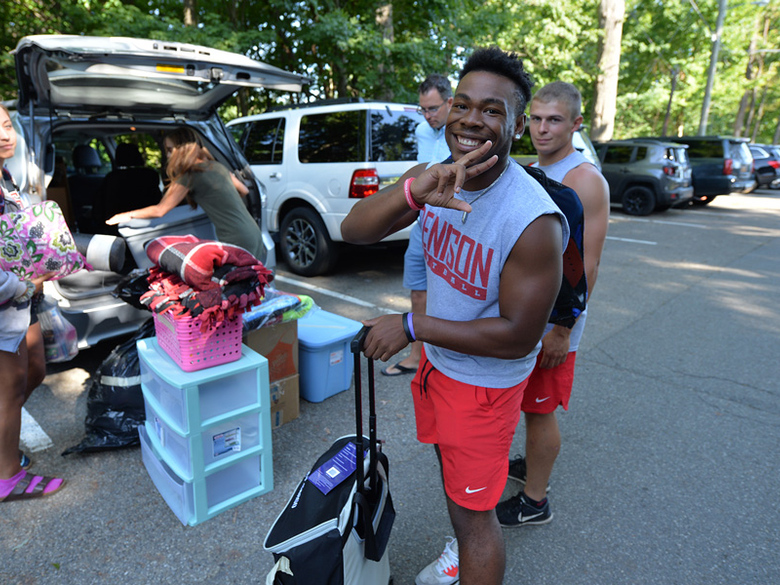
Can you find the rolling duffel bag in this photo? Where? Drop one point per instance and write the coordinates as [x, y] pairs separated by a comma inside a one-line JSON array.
[[335, 527]]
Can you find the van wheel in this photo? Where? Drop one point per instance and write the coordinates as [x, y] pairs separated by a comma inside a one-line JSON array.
[[638, 201], [306, 246]]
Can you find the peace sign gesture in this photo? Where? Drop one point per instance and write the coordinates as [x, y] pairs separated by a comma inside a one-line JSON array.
[[438, 185]]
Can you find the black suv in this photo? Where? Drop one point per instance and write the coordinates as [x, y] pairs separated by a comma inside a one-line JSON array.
[[645, 175], [721, 165]]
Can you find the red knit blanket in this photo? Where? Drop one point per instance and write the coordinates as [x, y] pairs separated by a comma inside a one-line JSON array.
[[202, 278]]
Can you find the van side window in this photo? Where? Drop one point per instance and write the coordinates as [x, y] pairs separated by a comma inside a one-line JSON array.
[[392, 136], [264, 144], [333, 137], [641, 153]]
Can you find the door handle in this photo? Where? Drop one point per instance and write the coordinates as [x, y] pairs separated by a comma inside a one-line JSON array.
[[276, 176]]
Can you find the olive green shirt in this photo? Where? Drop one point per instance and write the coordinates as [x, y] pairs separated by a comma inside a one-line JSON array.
[[213, 189]]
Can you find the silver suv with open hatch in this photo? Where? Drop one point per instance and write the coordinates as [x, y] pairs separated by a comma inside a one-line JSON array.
[[90, 109]]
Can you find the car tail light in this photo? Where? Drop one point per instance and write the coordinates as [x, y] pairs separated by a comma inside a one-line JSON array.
[[728, 166], [365, 182], [774, 164], [671, 171]]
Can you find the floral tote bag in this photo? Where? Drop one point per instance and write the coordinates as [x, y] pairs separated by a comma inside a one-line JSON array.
[[36, 241]]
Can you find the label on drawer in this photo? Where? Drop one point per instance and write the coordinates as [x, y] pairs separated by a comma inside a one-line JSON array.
[[227, 442], [336, 357], [160, 430]]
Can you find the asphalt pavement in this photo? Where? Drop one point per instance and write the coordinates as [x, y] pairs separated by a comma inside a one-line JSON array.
[[670, 461]]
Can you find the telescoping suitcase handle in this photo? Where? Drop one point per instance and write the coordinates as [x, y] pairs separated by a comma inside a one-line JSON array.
[[357, 346], [368, 500]]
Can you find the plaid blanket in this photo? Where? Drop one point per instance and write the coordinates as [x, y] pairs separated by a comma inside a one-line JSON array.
[[211, 281]]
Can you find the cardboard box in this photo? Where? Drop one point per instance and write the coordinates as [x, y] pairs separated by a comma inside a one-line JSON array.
[[279, 345], [285, 402]]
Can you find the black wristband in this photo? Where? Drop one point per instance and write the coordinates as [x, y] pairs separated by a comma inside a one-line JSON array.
[[409, 335]]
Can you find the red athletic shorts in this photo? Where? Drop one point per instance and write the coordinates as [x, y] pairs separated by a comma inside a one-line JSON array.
[[549, 387], [473, 427]]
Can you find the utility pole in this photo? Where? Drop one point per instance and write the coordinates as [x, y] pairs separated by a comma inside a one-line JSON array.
[[705, 106]]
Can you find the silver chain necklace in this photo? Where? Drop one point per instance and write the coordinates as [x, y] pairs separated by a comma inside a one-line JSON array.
[[465, 215]]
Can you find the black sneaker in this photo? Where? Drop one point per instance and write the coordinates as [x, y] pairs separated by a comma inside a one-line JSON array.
[[517, 470], [518, 511]]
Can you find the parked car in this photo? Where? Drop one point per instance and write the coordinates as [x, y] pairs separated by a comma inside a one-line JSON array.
[[721, 165], [646, 175], [523, 150], [766, 162], [80, 99], [316, 161]]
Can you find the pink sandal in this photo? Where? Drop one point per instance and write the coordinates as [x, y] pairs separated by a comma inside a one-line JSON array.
[[30, 486]]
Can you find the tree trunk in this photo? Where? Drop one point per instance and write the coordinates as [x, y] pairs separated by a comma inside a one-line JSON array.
[[759, 115], [776, 137], [705, 106], [384, 20], [751, 109], [668, 115], [739, 123], [190, 13], [611, 15]]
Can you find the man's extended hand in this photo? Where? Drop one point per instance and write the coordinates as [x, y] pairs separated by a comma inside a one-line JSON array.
[[385, 338], [438, 185]]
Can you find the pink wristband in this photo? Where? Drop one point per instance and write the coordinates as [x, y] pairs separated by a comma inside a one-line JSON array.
[[408, 193]]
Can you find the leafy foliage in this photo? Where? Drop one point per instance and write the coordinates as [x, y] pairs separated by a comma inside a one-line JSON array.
[[383, 49]]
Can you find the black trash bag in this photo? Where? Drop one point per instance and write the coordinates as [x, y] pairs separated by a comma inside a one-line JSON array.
[[131, 287], [115, 403]]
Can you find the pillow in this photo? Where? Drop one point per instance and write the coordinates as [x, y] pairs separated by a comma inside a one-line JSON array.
[[36, 241]]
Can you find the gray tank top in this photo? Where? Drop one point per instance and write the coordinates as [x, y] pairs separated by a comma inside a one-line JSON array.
[[557, 171], [464, 262]]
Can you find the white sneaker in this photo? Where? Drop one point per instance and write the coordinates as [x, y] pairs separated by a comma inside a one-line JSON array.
[[444, 570]]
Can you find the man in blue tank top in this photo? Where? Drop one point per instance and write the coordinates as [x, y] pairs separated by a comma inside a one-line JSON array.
[[492, 241], [555, 115]]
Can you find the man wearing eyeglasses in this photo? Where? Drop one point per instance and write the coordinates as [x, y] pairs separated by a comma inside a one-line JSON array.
[[435, 103], [435, 95]]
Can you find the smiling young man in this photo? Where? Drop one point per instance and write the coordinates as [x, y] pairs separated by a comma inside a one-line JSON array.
[[435, 98], [555, 115], [492, 240]]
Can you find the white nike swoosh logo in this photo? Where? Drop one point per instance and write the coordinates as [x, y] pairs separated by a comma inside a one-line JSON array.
[[524, 517], [542, 399], [471, 491]]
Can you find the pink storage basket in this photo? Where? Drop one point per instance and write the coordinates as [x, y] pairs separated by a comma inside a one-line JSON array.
[[194, 350]]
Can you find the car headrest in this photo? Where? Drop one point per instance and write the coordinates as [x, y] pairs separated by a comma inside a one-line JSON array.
[[128, 155], [85, 157]]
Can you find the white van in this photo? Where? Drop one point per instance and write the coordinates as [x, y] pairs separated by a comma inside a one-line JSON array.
[[316, 161]]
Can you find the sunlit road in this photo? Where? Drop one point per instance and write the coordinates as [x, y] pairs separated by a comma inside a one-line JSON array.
[[669, 467]]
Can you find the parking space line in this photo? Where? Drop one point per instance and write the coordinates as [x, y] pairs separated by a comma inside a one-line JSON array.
[[330, 293], [646, 242], [663, 221], [32, 435]]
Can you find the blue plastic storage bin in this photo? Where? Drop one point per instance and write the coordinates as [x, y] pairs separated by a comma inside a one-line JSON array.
[[325, 361]]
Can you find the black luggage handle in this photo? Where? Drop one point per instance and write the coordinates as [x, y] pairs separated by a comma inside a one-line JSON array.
[[357, 346]]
